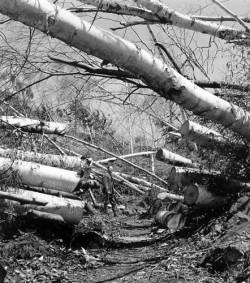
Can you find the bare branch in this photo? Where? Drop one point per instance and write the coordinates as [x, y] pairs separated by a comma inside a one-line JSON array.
[[232, 14]]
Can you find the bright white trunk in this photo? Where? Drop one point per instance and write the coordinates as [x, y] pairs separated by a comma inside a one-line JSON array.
[[201, 135], [42, 158], [188, 22], [65, 26], [171, 158], [37, 175], [32, 126]]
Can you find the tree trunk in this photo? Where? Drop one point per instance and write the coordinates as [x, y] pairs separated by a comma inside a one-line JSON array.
[[70, 162], [37, 175], [183, 176], [202, 197], [21, 199], [32, 126], [172, 158], [206, 137], [65, 26], [70, 210], [201, 135]]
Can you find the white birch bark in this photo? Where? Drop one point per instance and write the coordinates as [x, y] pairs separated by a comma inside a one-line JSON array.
[[201, 135], [37, 175], [119, 8], [172, 158], [174, 18], [65, 26], [71, 210], [32, 125], [53, 160]]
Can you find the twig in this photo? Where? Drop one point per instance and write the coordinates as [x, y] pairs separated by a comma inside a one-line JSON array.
[[232, 14], [114, 155]]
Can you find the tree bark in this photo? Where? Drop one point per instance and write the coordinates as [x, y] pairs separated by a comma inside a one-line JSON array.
[[202, 197], [65, 26], [206, 137], [70, 210], [70, 162], [172, 158], [180, 177], [32, 126], [21, 199], [184, 176], [37, 175], [201, 135]]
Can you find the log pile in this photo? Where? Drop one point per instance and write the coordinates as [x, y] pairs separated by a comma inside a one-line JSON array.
[[36, 186]]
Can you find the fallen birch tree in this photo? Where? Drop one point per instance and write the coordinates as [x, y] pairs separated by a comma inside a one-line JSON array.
[[172, 158], [60, 161], [32, 125], [70, 210], [37, 175], [65, 26], [206, 137]]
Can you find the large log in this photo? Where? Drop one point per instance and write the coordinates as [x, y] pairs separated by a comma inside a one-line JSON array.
[[201, 135], [206, 137], [183, 176], [21, 199], [32, 125], [65, 26], [202, 197], [171, 158], [37, 175], [60, 161], [180, 177], [70, 210]]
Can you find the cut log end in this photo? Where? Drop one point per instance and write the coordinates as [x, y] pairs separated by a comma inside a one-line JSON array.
[[191, 195]]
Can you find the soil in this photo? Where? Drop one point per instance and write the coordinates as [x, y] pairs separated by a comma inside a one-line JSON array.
[[103, 248]]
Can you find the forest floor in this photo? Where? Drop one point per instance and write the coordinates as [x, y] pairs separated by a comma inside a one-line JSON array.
[[41, 252]]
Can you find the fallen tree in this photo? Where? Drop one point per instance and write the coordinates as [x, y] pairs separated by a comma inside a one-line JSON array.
[[203, 197], [37, 175], [183, 176], [70, 210], [67, 27], [206, 137], [172, 158], [32, 125], [60, 161]]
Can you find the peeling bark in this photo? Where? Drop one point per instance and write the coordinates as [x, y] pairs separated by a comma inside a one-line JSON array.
[[32, 125], [172, 158], [65, 26]]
